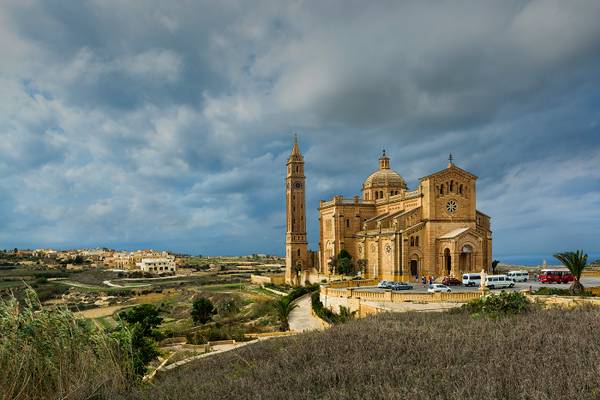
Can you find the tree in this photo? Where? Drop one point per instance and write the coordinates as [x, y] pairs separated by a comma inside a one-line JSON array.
[[344, 263], [146, 316], [202, 310], [142, 321], [575, 261], [362, 265], [494, 266], [283, 307]]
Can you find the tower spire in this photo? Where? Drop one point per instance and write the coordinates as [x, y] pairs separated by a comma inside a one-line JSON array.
[[296, 148], [450, 159], [384, 161]]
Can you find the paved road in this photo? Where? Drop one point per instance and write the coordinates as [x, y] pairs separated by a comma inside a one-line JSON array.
[[531, 284], [301, 318]]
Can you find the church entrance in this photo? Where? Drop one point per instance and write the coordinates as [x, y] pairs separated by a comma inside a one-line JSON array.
[[413, 267], [448, 261], [465, 259]]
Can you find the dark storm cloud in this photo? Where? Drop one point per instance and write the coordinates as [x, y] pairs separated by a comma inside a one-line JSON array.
[[168, 123]]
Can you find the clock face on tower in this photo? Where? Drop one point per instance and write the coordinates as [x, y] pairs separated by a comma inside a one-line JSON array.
[[451, 206], [298, 185]]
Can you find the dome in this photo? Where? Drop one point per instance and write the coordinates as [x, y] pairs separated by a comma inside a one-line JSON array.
[[384, 178]]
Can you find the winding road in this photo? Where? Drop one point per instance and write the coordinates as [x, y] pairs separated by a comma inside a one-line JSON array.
[[302, 319]]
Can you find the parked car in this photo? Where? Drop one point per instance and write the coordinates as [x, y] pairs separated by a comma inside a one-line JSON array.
[[498, 282], [555, 275], [401, 286], [384, 285], [451, 281], [518, 276], [471, 279], [437, 288]]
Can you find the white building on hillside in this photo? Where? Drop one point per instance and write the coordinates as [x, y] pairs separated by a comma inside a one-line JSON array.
[[158, 264]]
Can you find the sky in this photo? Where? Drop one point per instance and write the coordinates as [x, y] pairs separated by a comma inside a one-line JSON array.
[[167, 124]]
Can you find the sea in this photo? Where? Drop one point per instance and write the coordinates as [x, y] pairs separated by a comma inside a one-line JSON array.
[[534, 260]]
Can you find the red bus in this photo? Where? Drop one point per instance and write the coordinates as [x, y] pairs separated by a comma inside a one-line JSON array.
[[555, 275]]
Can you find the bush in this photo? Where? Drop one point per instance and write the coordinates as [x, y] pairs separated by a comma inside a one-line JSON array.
[[497, 304], [548, 291], [50, 353], [227, 306], [202, 310], [301, 291], [326, 314]]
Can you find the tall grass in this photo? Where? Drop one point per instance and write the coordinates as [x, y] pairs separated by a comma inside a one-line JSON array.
[[52, 354]]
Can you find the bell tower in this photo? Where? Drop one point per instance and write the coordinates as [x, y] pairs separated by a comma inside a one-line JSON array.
[[295, 208]]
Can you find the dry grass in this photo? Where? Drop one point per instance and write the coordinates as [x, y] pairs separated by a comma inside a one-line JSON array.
[[52, 354], [552, 354]]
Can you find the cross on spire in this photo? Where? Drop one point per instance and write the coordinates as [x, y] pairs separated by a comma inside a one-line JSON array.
[[450, 159]]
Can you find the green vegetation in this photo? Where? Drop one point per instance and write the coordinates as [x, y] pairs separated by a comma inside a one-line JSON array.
[[495, 305], [549, 291], [327, 315], [50, 353], [494, 266], [202, 310], [142, 322], [576, 262], [283, 307]]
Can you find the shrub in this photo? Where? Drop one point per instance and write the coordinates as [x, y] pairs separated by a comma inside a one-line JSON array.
[[548, 291], [50, 353], [326, 314], [202, 310], [497, 304], [301, 291], [227, 306]]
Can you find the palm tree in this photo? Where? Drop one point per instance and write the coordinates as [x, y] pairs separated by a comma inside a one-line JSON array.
[[494, 266], [575, 262], [283, 308]]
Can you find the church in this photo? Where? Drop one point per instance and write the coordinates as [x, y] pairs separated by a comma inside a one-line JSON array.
[[391, 232]]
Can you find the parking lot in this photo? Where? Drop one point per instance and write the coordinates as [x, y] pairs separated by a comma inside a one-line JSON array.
[[530, 284]]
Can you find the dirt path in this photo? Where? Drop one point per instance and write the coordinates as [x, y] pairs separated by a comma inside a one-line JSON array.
[[301, 318]]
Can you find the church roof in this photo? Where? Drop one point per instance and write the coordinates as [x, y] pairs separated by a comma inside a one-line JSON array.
[[454, 233], [384, 176], [451, 167]]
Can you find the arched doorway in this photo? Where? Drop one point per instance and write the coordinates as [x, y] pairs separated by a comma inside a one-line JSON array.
[[414, 267], [465, 260], [448, 261]]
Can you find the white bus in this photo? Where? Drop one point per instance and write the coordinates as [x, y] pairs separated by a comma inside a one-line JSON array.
[[471, 279], [498, 282], [518, 276]]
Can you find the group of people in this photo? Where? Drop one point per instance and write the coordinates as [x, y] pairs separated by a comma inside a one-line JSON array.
[[425, 279]]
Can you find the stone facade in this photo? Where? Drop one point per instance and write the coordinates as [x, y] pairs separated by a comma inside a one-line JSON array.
[[399, 234]]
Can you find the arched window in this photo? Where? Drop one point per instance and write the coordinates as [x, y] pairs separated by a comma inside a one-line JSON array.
[[298, 252], [347, 223], [376, 195], [451, 186], [381, 194], [412, 241], [442, 188], [460, 189], [417, 241]]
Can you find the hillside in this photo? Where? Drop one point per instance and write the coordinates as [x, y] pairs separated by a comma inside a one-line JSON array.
[[551, 354]]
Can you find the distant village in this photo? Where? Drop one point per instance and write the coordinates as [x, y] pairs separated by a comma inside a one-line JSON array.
[[149, 261]]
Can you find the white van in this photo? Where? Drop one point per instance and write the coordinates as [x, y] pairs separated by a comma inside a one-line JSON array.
[[518, 276], [471, 279], [498, 282]]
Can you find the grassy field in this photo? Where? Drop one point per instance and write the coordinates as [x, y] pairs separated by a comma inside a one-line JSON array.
[[552, 354]]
